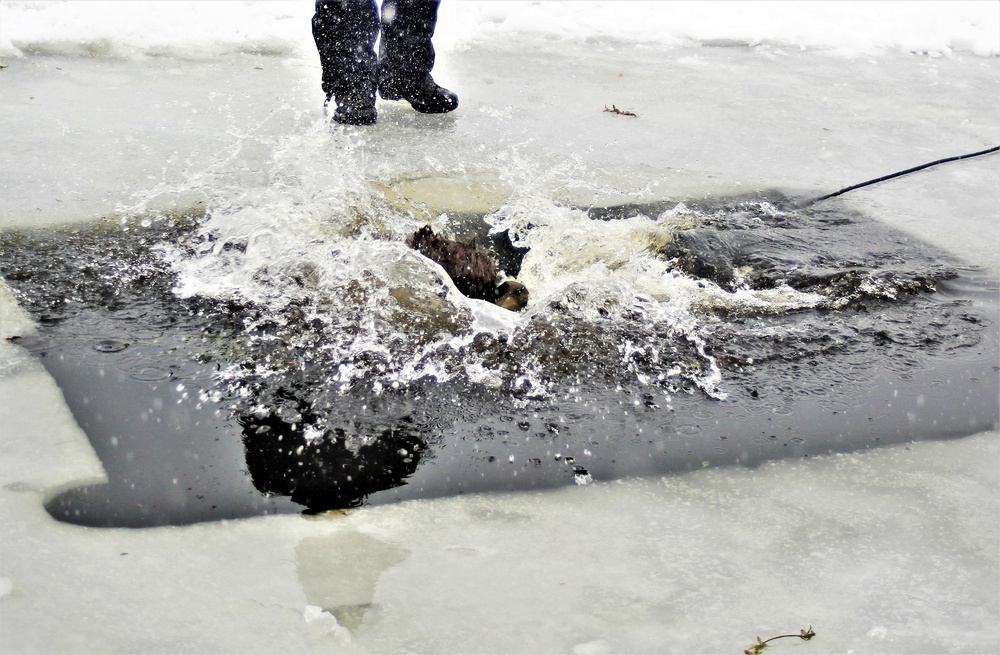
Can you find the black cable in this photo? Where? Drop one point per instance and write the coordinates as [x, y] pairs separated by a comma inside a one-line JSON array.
[[900, 173]]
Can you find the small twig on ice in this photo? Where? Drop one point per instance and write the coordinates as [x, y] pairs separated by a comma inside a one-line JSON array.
[[616, 110], [760, 646]]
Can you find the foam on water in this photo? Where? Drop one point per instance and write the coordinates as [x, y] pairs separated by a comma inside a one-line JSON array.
[[317, 244]]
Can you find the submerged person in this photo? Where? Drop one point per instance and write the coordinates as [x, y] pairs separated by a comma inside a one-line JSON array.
[[345, 33]]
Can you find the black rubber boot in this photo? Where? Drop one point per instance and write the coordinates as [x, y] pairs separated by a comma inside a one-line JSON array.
[[424, 96], [355, 106], [406, 56], [345, 32]]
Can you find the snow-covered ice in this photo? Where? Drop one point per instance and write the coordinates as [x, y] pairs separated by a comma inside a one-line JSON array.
[[120, 106]]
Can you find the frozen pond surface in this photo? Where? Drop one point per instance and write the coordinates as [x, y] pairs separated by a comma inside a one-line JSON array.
[[892, 550]]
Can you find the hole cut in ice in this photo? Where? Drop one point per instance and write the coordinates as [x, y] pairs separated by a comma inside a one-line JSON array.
[[326, 365]]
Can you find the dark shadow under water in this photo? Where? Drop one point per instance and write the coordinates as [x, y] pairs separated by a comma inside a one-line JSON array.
[[138, 368]]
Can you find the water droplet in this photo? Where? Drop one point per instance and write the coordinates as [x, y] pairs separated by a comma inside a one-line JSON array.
[[110, 346]]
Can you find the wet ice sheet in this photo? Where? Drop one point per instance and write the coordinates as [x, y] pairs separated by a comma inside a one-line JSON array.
[[238, 587], [710, 120]]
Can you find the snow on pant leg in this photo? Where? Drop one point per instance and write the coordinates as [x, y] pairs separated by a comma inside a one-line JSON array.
[[345, 32], [406, 55]]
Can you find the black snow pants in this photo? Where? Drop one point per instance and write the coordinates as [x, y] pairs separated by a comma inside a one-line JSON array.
[[345, 32]]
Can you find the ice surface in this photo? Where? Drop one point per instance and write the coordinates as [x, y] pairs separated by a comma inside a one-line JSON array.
[[205, 28], [890, 551]]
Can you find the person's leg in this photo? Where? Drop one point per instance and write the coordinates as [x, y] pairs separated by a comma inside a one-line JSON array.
[[406, 56], [345, 32]]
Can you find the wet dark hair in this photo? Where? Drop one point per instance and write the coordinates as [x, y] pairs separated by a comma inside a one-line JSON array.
[[470, 267]]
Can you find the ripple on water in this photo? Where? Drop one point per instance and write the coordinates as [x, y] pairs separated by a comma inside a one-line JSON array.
[[834, 405], [38, 344], [110, 345], [147, 371]]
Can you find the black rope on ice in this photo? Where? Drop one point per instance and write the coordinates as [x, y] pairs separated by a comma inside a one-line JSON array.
[[901, 173]]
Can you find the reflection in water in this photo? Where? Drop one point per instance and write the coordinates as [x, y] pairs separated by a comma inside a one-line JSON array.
[[325, 470], [339, 572]]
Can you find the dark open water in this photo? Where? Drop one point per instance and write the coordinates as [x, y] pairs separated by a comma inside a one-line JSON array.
[[206, 408]]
